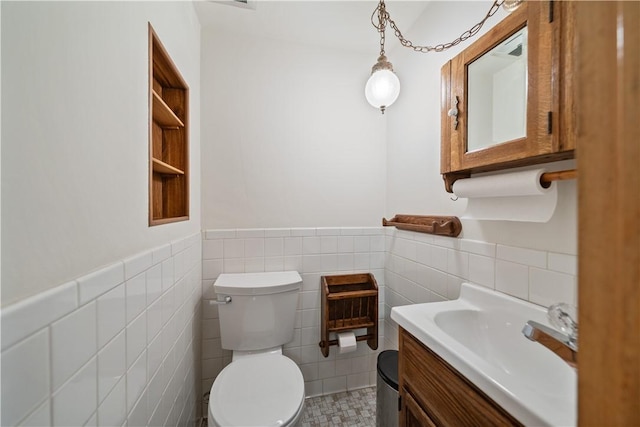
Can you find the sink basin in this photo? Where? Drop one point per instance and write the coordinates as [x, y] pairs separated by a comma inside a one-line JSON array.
[[479, 334]]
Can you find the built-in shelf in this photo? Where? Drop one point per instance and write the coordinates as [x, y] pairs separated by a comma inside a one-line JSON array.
[[164, 168], [168, 137], [163, 115]]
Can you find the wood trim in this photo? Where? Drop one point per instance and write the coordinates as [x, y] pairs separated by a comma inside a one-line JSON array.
[[168, 220], [566, 99], [187, 151], [155, 183], [446, 122], [608, 77], [167, 73]]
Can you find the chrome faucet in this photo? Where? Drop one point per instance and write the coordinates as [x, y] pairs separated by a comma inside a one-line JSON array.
[[564, 342]]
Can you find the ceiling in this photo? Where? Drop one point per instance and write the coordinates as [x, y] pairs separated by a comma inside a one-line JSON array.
[[333, 24]]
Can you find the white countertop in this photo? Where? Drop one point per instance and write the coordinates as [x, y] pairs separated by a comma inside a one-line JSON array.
[[479, 334]]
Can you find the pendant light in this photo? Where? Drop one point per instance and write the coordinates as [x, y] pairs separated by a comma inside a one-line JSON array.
[[383, 87]]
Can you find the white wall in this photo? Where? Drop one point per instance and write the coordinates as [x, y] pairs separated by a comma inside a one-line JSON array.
[[100, 313], [288, 137], [0, 152], [75, 135], [413, 131]]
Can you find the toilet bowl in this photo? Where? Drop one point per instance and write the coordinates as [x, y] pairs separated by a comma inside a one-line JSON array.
[[261, 386], [262, 390]]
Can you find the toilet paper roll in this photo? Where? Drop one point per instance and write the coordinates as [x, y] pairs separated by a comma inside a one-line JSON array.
[[347, 342]]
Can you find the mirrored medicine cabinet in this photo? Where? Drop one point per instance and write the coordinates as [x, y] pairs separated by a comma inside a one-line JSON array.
[[507, 99]]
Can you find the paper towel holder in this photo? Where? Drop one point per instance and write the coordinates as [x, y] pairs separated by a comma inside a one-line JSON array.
[[548, 177], [349, 302], [545, 179]]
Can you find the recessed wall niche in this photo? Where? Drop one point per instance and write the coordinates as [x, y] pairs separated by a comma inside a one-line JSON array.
[[168, 137]]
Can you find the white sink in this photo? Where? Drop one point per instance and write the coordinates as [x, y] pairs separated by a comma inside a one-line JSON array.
[[480, 335]]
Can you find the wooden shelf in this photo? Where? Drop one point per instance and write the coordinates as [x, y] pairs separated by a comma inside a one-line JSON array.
[[163, 115], [164, 168], [348, 302], [169, 220], [168, 138]]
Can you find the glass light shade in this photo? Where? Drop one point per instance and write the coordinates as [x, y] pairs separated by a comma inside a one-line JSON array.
[[382, 89], [511, 5]]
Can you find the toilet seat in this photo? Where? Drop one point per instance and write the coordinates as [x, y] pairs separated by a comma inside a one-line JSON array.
[[266, 390]]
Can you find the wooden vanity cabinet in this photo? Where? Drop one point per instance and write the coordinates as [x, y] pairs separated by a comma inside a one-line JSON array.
[[547, 123], [433, 394]]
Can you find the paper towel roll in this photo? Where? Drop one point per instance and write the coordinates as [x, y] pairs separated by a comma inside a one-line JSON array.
[[515, 196], [347, 342]]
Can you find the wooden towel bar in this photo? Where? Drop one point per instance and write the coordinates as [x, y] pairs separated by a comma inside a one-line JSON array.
[[441, 225]]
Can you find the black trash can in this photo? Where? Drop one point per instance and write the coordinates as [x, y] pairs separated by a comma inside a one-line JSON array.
[[387, 389]]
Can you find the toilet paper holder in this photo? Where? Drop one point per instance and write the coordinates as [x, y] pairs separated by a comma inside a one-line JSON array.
[[349, 302]]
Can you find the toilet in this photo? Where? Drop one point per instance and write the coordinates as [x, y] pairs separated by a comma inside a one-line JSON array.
[[261, 386]]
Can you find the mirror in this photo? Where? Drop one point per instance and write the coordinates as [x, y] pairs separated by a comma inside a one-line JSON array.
[[497, 94]]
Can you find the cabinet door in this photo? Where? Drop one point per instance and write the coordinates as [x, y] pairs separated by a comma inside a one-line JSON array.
[[449, 399], [412, 414], [507, 88]]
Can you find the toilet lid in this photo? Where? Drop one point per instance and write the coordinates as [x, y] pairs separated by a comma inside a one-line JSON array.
[[264, 390]]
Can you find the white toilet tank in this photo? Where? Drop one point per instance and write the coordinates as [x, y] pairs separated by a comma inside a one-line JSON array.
[[262, 310]]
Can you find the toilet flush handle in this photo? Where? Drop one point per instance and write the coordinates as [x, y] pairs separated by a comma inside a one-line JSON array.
[[219, 301]]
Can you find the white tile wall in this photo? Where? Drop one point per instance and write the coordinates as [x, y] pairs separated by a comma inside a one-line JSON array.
[[313, 252], [73, 342], [424, 268], [119, 346], [27, 359]]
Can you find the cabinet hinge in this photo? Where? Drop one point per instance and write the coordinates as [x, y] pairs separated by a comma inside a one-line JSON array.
[[551, 11], [549, 123], [399, 403]]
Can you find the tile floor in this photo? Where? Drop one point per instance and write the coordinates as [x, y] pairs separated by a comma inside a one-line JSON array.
[[355, 408]]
